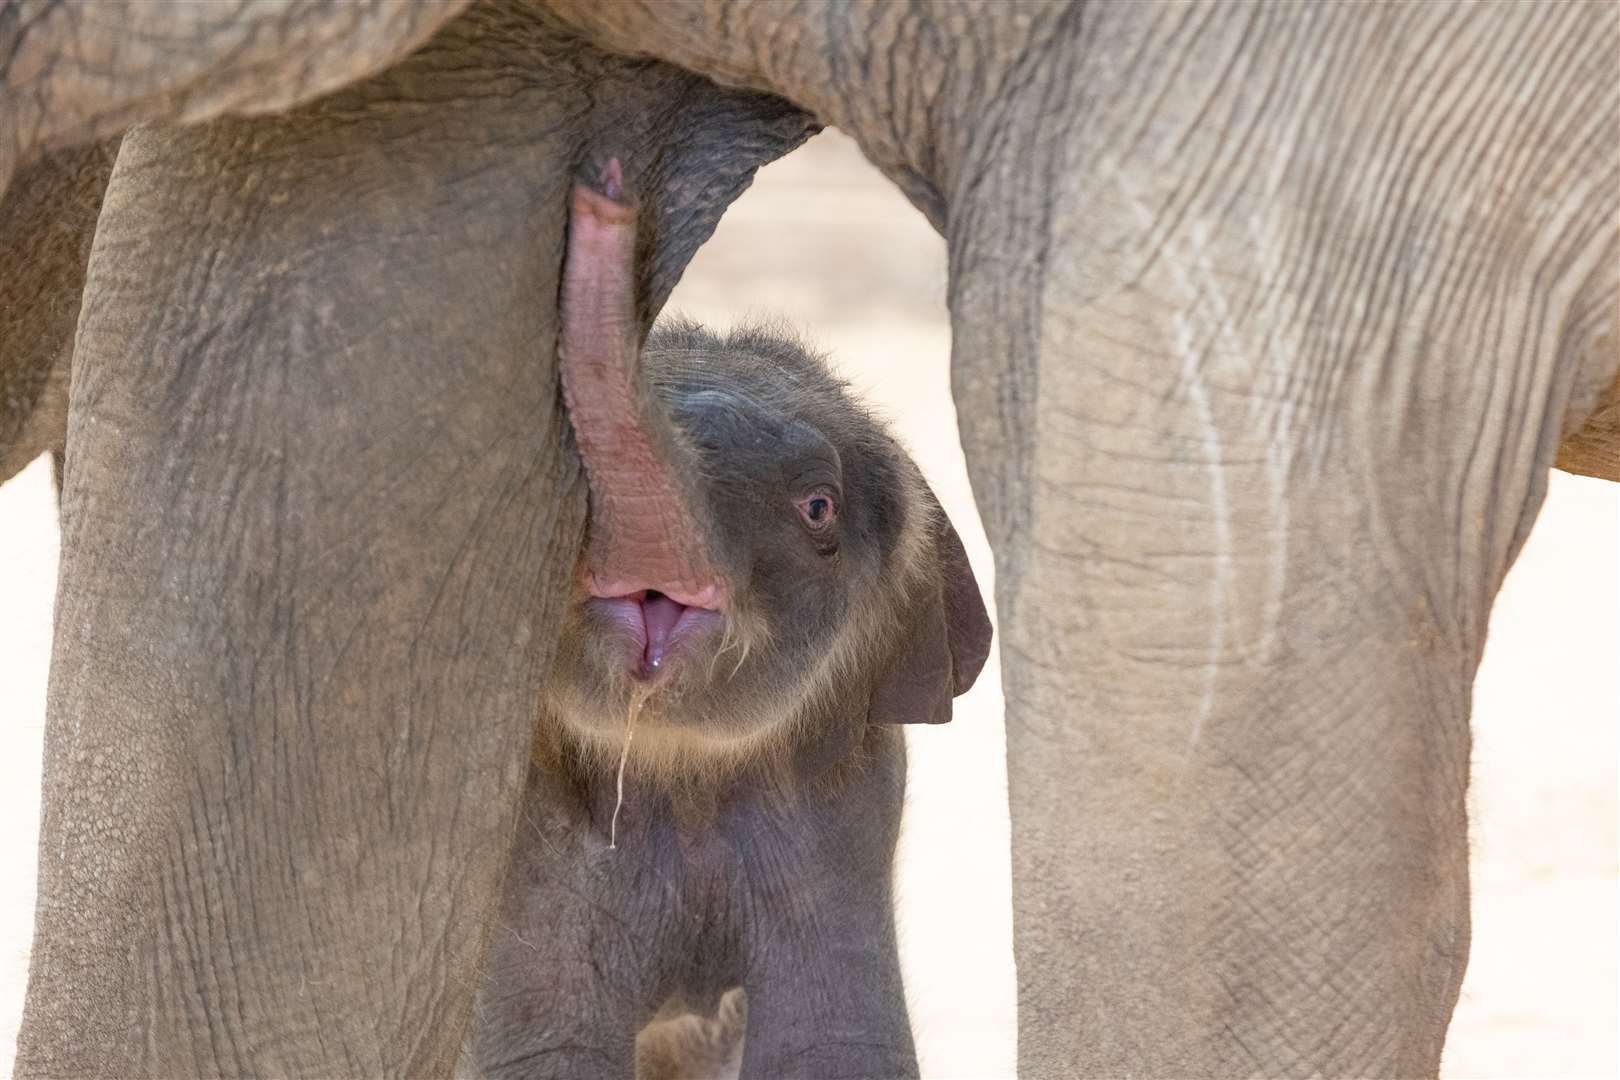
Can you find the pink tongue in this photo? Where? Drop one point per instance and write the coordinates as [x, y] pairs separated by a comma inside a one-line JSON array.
[[659, 615]]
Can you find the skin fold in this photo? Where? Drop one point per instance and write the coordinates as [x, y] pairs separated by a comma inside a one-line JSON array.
[[1268, 320]]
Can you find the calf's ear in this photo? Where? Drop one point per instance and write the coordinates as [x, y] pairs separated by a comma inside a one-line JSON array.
[[945, 642]]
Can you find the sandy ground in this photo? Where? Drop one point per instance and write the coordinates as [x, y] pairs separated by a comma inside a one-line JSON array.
[[824, 242]]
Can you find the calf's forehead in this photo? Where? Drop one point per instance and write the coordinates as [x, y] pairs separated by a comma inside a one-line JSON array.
[[773, 385], [782, 399]]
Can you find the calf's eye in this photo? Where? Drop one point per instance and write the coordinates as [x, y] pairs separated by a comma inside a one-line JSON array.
[[818, 510]]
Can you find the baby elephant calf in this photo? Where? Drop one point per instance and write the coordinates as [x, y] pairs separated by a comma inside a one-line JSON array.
[[752, 742]]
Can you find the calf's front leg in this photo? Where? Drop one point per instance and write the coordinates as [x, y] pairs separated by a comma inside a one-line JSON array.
[[823, 982]]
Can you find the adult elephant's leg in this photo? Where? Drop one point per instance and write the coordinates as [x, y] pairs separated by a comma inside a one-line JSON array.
[[1259, 405], [1236, 727], [319, 518]]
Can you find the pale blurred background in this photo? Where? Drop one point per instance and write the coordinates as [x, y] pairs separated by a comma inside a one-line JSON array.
[[823, 241]]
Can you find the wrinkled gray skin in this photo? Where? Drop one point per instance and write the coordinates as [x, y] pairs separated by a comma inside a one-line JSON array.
[[1268, 320], [762, 796]]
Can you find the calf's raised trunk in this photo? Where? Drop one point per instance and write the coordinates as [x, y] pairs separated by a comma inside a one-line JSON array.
[[644, 533]]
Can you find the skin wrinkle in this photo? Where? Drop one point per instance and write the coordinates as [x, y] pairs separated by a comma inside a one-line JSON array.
[[1322, 376], [1515, 390], [1191, 359], [1277, 460], [1219, 581]]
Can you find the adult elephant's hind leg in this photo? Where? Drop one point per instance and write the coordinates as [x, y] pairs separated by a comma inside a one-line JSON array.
[[1237, 757], [1255, 446], [318, 518], [1237, 744]]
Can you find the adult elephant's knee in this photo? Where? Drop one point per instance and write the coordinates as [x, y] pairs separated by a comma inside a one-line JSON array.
[[1254, 461], [318, 520]]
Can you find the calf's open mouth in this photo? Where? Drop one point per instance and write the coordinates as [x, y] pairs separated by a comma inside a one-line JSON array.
[[656, 625]]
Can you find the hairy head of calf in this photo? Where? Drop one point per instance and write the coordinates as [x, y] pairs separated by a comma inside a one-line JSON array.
[[841, 586], [763, 558]]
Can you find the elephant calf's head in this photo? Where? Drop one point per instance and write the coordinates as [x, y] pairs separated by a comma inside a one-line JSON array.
[[762, 553]]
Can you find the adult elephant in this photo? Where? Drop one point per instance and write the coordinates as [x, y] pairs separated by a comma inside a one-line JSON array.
[[1268, 321]]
